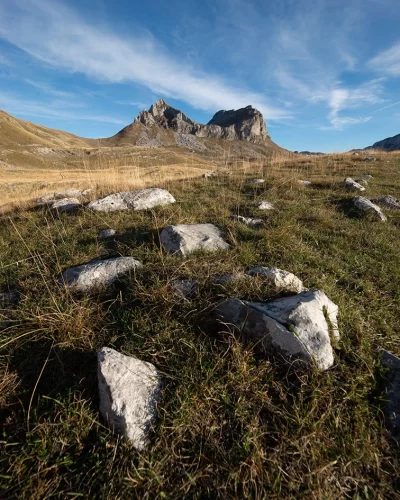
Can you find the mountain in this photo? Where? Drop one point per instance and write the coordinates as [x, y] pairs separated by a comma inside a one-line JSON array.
[[163, 125], [19, 133], [389, 144]]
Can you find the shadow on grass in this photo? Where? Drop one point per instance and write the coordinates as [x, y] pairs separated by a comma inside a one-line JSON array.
[[346, 206]]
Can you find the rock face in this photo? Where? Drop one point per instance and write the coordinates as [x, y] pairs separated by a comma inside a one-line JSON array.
[[245, 124], [133, 200], [389, 144], [97, 273], [389, 202], [129, 392], [292, 328], [182, 239], [366, 205], [351, 185], [392, 392], [283, 280]]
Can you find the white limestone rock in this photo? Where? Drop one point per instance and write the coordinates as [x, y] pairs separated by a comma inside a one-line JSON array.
[[305, 183], [52, 197], [66, 205], [351, 185], [129, 392], [107, 233], [366, 205], [184, 239], [97, 273], [265, 205], [389, 202], [142, 199], [248, 221], [283, 280], [256, 181], [293, 328]]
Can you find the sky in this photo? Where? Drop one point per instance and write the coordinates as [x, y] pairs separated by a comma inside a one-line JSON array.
[[324, 73]]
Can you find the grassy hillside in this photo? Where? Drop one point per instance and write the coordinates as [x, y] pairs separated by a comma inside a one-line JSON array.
[[229, 426]]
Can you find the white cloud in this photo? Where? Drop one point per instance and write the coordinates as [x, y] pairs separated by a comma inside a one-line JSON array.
[[51, 109], [387, 62], [54, 34]]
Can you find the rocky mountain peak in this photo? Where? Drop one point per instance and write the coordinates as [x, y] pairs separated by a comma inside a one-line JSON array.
[[242, 124]]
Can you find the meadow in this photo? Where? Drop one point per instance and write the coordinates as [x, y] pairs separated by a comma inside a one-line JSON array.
[[230, 425]]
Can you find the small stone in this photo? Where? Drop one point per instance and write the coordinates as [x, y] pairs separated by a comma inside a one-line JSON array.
[[392, 392], [186, 288], [184, 239], [107, 233], [256, 181], [143, 199], [66, 205], [367, 176], [304, 183], [283, 280], [209, 175], [265, 205], [367, 206], [369, 158], [129, 391], [248, 221], [351, 185], [97, 273]]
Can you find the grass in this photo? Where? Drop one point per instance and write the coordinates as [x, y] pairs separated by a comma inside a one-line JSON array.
[[229, 426]]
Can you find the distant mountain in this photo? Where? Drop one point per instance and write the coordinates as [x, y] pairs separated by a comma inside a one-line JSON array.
[[16, 133], [389, 144], [163, 125]]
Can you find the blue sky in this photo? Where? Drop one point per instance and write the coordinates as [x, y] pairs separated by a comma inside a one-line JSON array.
[[325, 73]]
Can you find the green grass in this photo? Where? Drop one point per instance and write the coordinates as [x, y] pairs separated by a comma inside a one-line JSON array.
[[229, 426]]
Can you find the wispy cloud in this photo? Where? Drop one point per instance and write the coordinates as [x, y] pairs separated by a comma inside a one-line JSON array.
[[49, 90], [387, 62], [56, 35], [51, 109]]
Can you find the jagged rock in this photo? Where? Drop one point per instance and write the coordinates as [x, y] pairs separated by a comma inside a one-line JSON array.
[[351, 185], [248, 221], [133, 200], [107, 233], [367, 206], [389, 202], [256, 181], [304, 183], [184, 239], [66, 205], [185, 288], [294, 328], [392, 392], [97, 273], [129, 392], [245, 124], [369, 158], [283, 280], [265, 205]]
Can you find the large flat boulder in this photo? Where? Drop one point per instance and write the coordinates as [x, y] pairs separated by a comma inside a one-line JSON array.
[[129, 391], [184, 239], [389, 202], [97, 273], [65, 205], [392, 392], [142, 199], [291, 328]]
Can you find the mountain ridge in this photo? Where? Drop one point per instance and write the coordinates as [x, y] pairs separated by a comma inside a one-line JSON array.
[[388, 144]]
